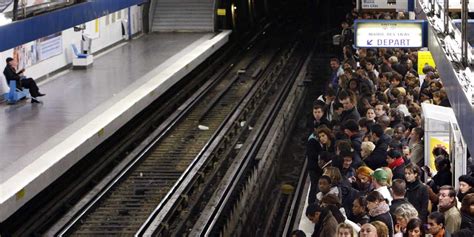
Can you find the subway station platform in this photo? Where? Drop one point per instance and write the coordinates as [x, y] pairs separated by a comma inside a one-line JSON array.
[[82, 108]]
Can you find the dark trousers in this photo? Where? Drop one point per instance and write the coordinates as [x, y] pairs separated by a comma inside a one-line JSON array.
[[29, 84], [313, 189]]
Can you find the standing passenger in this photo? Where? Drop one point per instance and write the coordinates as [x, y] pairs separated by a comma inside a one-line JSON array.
[[447, 206], [324, 222], [417, 192]]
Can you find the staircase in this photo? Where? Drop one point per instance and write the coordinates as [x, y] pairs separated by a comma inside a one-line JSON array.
[[183, 16]]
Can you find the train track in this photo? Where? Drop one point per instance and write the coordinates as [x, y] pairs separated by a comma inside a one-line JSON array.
[[139, 187], [250, 171]]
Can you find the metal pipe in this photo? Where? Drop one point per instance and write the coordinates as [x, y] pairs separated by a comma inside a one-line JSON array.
[[464, 16], [15, 9], [446, 17], [24, 3], [432, 6]]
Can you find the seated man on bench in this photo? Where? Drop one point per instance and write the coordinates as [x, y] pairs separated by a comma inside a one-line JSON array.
[[21, 81]]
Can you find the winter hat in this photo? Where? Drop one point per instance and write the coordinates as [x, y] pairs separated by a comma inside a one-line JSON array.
[[380, 174], [467, 179]]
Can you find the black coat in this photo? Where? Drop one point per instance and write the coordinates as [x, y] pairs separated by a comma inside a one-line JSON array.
[[385, 218], [401, 68], [356, 142], [467, 221], [377, 158], [313, 148], [443, 177], [418, 195], [350, 114], [347, 37], [312, 123], [399, 172], [364, 219], [10, 74]]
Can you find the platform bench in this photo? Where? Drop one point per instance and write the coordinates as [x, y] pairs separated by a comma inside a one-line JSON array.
[[15, 95]]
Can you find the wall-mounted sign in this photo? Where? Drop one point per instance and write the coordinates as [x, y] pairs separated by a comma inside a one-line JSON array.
[[390, 33], [394, 5], [49, 46]]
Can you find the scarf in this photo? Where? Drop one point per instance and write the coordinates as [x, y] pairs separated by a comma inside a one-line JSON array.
[[462, 195], [413, 185], [399, 161], [380, 209], [445, 209]]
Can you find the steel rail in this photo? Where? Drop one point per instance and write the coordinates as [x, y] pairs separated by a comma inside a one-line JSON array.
[[219, 201], [158, 134], [165, 210]]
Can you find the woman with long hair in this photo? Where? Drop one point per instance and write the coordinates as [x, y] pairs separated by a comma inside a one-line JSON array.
[[467, 212], [326, 138]]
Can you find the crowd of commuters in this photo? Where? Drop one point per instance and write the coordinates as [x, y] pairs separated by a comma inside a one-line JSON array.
[[365, 150]]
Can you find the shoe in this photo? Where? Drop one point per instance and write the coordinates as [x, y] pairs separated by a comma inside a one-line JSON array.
[[35, 101], [40, 94]]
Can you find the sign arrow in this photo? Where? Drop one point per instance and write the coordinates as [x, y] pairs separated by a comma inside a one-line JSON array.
[[369, 42]]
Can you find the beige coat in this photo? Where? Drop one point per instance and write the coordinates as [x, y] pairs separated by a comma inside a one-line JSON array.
[[452, 219]]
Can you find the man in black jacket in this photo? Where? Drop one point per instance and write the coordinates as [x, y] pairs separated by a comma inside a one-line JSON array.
[[21, 81], [351, 129], [348, 101], [398, 194], [377, 158]]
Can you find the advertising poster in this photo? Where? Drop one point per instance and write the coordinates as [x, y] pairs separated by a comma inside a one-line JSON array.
[[29, 54], [25, 55], [435, 142], [425, 58]]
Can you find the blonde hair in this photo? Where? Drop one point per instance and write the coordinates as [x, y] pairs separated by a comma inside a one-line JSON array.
[[367, 147], [346, 226], [389, 176], [382, 229]]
